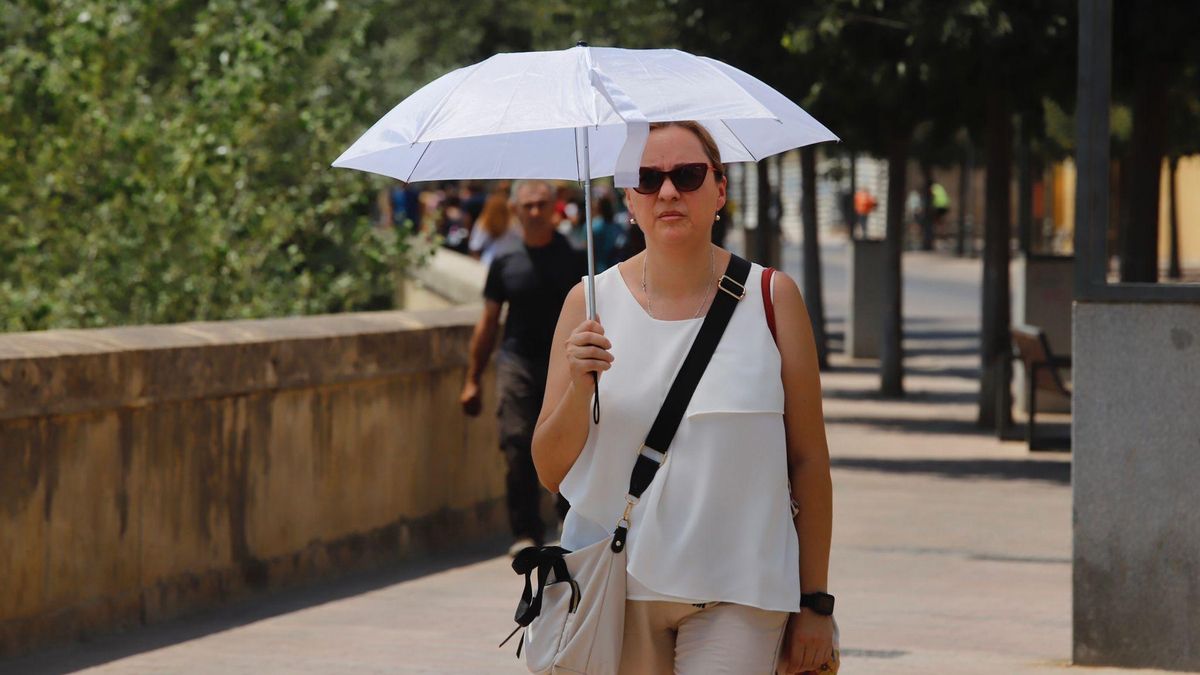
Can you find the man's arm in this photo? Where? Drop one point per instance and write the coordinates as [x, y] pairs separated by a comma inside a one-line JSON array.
[[483, 341]]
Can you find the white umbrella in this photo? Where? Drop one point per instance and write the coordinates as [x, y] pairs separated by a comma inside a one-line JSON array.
[[575, 114]]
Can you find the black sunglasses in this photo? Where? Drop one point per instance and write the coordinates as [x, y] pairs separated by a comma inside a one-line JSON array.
[[685, 177]]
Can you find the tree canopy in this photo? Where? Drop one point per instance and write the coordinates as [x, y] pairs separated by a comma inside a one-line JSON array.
[[168, 160]]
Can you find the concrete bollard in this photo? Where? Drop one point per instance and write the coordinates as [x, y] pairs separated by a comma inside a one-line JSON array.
[[864, 326]]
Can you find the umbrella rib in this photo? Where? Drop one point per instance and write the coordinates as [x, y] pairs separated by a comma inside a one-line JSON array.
[[442, 104], [739, 140], [418, 162], [725, 76]]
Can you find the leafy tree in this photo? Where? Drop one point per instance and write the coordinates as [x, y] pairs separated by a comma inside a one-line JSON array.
[[901, 77], [863, 58], [752, 42], [169, 161], [1154, 54], [1022, 52]]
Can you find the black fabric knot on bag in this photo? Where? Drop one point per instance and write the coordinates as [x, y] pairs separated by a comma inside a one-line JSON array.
[[543, 560]]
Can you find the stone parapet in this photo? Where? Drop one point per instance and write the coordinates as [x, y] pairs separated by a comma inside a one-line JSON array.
[[151, 471]]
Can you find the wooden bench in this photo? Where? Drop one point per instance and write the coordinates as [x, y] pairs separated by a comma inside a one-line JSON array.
[[1032, 348]]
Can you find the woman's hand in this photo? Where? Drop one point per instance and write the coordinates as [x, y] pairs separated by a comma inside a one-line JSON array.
[[807, 643], [587, 352], [578, 352]]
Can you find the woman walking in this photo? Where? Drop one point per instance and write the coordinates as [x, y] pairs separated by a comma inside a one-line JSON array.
[[493, 228], [721, 558]]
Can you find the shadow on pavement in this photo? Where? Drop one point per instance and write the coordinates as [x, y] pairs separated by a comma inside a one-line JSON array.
[[927, 319], [1047, 470], [106, 648], [1050, 436], [911, 397], [864, 367], [939, 334], [943, 350], [971, 373], [908, 424]]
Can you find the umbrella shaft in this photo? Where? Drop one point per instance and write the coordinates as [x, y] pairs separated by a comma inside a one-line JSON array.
[[585, 161]]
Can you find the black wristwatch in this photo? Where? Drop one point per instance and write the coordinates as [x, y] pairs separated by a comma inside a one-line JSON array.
[[821, 603]]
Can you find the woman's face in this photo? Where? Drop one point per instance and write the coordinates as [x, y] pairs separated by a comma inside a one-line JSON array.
[[669, 216]]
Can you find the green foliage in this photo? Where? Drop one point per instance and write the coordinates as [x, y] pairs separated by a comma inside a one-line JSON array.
[[169, 161], [922, 69], [465, 32]]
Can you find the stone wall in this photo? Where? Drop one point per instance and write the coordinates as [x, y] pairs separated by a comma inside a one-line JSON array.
[[151, 471], [1136, 466]]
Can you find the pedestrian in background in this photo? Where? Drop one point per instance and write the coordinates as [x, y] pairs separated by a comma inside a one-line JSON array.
[[454, 223], [864, 204], [473, 198], [940, 199], [493, 229], [532, 276], [607, 236], [571, 225], [399, 205]]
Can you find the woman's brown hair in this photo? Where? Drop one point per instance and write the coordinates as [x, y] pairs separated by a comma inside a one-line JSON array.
[[706, 142], [495, 215]]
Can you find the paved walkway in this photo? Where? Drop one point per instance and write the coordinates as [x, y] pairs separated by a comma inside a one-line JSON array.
[[951, 550]]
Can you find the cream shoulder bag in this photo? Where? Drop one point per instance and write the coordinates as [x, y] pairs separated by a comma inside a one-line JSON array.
[[576, 618]]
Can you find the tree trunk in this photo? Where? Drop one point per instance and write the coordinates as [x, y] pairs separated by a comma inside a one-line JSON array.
[[1174, 270], [926, 207], [1139, 250], [1025, 190], [812, 252], [761, 248], [995, 396], [775, 240], [964, 198], [891, 348], [1118, 228], [744, 211]]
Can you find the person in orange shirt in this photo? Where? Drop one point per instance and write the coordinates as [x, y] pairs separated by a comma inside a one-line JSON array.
[[864, 204]]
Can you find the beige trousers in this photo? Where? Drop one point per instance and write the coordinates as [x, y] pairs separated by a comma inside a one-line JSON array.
[[665, 638]]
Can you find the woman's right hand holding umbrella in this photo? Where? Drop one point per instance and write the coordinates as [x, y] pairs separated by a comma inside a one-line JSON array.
[[577, 358], [587, 353]]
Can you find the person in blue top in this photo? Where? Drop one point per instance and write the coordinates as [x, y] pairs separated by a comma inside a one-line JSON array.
[[608, 237]]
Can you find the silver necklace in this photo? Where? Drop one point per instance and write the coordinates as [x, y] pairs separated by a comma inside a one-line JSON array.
[[712, 267]]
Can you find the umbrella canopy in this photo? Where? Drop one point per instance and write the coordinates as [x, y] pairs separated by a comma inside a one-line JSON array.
[[521, 115]]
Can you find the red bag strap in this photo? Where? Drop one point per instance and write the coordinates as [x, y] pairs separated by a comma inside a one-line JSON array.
[[768, 305]]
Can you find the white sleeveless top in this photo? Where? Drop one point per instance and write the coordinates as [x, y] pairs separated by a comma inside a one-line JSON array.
[[716, 523]]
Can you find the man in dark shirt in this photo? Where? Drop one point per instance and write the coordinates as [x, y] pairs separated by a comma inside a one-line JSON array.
[[533, 277]]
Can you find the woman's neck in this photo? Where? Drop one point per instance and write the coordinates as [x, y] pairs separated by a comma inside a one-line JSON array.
[[679, 273]]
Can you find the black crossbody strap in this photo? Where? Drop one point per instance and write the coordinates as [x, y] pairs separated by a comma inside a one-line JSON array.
[[731, 288]]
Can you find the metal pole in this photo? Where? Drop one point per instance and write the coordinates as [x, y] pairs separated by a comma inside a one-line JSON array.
[[1092, 154], [581, 136], [581, 141]]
